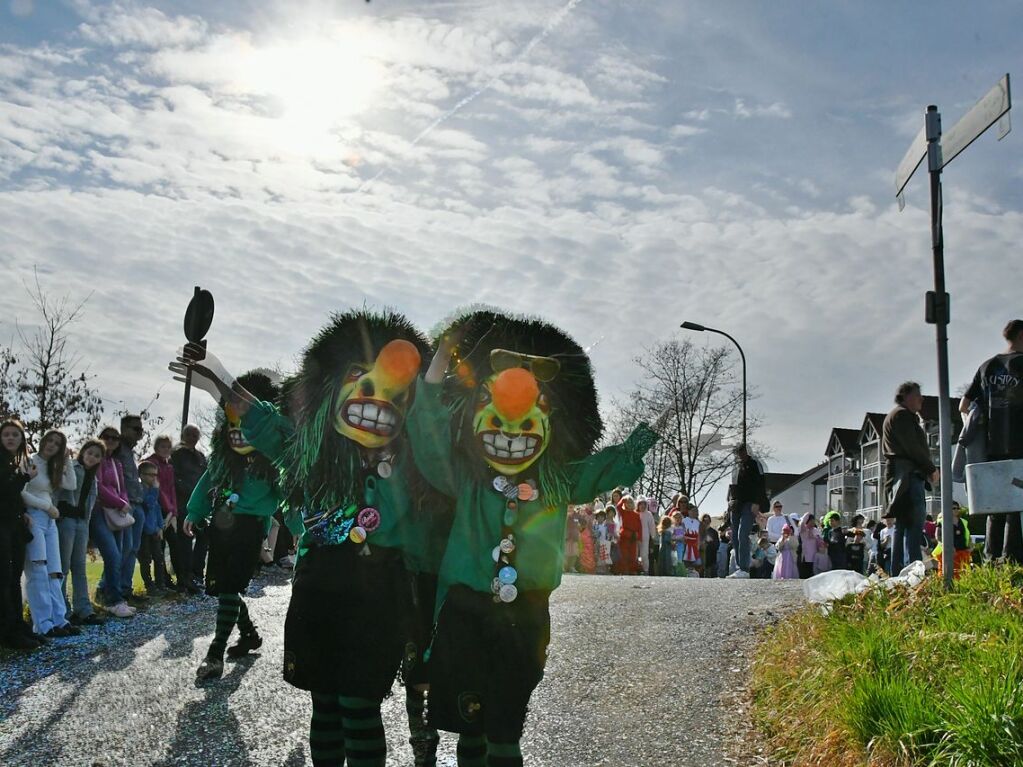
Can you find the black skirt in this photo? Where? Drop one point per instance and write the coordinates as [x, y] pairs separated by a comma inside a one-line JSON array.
[[486, 660], [236, 541], [347, 625]]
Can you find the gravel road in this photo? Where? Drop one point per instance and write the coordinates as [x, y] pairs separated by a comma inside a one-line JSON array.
[[642, 671]]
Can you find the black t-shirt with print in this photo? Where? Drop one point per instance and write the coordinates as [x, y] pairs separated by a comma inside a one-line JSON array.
[[998, 386]]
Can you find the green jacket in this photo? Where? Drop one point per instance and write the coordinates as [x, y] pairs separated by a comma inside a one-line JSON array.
[[401, 526], [479, 509], [256, 497]]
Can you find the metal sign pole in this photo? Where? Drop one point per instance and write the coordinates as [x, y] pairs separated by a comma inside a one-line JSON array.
[[938, 313], [188, 382]]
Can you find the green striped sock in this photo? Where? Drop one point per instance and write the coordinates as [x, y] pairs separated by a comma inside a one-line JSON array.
[[245, 624], [326, 735], [365, 743], [471, 751], [227, 616]]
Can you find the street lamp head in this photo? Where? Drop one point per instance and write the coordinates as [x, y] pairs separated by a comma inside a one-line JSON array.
[[692, 326]]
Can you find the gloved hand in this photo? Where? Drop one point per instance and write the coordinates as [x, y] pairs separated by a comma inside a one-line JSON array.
[[208, 373]]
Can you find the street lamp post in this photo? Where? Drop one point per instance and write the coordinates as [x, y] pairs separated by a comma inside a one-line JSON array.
[[700, 329]]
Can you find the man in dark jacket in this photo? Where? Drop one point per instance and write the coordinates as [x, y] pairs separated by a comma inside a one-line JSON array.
[[998, 389], [132, 432], [748, 495], [189, 465], [908, 466]]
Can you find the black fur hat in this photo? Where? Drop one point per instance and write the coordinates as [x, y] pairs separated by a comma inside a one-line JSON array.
[[323, 464], [575, 416], [227, 467]]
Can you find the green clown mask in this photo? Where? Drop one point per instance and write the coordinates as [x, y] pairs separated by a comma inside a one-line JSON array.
[[235, 439], [512, 420], [374, 396]]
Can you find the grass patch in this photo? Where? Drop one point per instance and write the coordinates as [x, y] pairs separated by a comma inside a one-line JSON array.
[[899, 679]]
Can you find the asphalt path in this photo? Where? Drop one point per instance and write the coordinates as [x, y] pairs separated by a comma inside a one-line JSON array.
[[641, 671]]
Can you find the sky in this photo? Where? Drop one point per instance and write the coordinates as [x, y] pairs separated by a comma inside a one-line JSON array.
[[615, 167]]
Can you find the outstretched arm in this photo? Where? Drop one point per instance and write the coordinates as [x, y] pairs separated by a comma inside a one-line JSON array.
[[210, 375]]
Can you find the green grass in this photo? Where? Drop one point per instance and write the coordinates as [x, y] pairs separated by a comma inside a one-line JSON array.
[[899, 679]]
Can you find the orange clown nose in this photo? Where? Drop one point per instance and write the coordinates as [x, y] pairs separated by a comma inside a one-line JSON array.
[[399, 362], [514, 392]]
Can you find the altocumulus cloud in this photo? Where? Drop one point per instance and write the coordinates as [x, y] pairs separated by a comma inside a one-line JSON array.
[[606, 180]]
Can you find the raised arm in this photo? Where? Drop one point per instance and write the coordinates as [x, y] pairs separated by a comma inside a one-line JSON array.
[[615, 465], [210, 375]]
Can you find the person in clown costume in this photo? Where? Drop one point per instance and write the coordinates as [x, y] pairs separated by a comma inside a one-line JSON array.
[[504, 422], [240, 492], [361, 600]]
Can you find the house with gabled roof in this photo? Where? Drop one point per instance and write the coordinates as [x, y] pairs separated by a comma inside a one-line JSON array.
[[843, 456]]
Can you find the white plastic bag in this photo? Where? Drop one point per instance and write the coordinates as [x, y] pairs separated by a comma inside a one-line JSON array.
[[833, 585]]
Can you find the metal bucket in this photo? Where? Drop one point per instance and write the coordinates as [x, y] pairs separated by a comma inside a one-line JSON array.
[[995, 487]]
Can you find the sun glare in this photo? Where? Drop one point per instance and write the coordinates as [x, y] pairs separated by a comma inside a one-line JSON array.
[[314, 85]]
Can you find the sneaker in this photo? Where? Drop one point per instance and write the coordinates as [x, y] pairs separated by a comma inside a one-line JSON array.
[[121, 610], [245, 644], [209, 669], [92, 619], [739, 574]]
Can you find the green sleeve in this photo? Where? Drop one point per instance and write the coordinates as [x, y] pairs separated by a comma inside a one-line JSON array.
[[293, 521], [267, 430], [616, 465], [199, 507], [429, 431]]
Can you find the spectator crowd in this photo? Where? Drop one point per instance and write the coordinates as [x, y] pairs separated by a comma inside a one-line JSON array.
[[58, 507]]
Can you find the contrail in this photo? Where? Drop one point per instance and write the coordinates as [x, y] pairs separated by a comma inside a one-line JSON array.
[[549, 27]]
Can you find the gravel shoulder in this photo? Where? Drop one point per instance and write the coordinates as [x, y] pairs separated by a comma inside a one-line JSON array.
[[641, 671]]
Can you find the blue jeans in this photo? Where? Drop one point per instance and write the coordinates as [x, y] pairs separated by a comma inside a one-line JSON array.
[[130, 551], [742, 525], [909, 535], [110, 545], [74, 540], [43, 573]]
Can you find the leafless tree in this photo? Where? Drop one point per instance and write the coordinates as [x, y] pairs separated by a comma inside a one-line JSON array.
[[701, 392], [45, 383]]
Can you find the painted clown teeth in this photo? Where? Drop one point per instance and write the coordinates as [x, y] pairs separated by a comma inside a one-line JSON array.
[[509, 448], [371, 417], [235, 438]]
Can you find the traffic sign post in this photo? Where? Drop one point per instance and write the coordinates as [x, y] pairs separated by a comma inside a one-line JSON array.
[[198, 318], [940, 150]]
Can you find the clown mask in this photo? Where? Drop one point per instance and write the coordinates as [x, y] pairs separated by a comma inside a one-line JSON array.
[[512, 419], [375, 395], [235, 439]]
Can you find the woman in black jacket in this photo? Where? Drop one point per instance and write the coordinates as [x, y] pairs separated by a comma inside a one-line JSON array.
[[15, 472]]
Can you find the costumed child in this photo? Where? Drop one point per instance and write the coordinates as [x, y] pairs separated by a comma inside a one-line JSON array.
[[628, 539], [508, 433], [678, 540], [587, 558], [235, 497], [834, 537], [785, 567], [372, 531], [665, 564], [961, 539], [603, 543], [691, 539]]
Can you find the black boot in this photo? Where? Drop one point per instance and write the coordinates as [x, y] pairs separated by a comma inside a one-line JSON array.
[[209, 670], [246, 643]]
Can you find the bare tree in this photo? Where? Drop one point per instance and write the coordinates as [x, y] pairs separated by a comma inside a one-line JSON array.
[[702, 395], [45, 384]]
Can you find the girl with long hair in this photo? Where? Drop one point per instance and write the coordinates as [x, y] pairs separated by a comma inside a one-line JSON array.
[[44, 573], [111, 494], [15, 472], [73, 530]]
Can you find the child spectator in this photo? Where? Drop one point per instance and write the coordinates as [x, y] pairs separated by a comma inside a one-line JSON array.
[[711, 543], [603, 543], [809, 542], [759, 566], [821, 561], [587, 558], [834, 537], [163, 446], [665, 565], [151, 549], [611, 530], [961, 540], [856, 552], [691, 539], [73, 530], [44, 572], [785, 565]]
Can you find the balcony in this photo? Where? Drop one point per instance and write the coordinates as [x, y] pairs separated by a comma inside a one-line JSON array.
[[872, 472], [845, 481]]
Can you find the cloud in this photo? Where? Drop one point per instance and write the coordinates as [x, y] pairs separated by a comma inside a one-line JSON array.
[[776, 109]]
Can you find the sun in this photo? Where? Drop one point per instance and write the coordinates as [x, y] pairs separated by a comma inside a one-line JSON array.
[[314, 85]]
